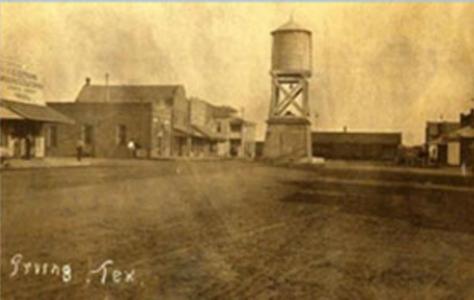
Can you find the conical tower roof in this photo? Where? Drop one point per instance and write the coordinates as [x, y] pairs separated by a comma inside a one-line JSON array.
[[291, 25]]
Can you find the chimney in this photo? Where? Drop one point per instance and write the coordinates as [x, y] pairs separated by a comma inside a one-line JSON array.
[[88, 81]]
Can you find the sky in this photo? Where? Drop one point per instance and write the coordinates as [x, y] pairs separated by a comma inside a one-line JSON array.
[[376, 66]]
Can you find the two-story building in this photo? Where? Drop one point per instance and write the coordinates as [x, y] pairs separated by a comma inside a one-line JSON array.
[[238, 134], [205, 137]]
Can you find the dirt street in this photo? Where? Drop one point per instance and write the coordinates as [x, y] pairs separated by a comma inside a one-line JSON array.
[[231, 230]]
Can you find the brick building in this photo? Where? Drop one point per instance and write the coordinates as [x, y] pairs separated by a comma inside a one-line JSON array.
[[104, 128], [107, 117]]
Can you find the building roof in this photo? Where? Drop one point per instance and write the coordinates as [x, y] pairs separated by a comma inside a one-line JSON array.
[[7, 114], [126, 93], [182, 131], [34, 112], [201, 131], [222, 111], [443, 123], [356, 138], [239, 120], [291, 25], [442, 127], [465, 132]]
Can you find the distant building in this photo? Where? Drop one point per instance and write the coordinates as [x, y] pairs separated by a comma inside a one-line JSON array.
[[23, 112], [435, 130], [356, 145], [159, 118], [466, 138], [205, 138], [108, 117], [467, 119], [461, 141], [435, 139], [238, 134], [453, 143]]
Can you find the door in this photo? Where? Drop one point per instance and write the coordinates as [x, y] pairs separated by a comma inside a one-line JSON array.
[[454, 153], [39, 146]]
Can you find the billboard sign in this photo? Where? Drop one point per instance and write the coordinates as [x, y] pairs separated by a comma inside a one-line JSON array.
[[19, 83]]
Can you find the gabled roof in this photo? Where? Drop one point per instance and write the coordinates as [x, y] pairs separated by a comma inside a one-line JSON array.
[[126, 93]]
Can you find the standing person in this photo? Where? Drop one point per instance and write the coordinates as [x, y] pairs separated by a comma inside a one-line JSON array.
[[433, 154], [28, 143], [79, 149], [131, 147]]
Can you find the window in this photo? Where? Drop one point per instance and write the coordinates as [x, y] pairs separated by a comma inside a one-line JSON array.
[[87, 134], [235, 127], [121, 135], [52, 136], [219, 129]]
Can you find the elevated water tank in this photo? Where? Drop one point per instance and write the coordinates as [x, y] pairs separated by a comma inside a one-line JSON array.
[[291, 50]]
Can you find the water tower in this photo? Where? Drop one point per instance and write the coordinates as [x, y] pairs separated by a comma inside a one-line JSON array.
[[288, 133]]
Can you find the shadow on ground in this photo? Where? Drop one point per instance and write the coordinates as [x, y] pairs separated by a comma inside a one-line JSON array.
[[445, 210]]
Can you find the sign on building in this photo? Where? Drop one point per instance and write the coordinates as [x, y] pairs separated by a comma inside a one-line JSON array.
[[19, 83]]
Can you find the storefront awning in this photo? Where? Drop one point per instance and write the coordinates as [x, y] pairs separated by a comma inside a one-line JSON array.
[[181, 132], [465, 132], [41, 113], [197, 133], [6, 114], [206, 133]]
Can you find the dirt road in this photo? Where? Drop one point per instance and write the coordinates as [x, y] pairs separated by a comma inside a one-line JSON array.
[[231, 230]]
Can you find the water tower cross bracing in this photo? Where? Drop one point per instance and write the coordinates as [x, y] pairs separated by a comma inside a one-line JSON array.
[[288, 133]]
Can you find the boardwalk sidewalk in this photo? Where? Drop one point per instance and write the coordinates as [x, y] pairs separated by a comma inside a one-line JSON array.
[[66, 162]]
